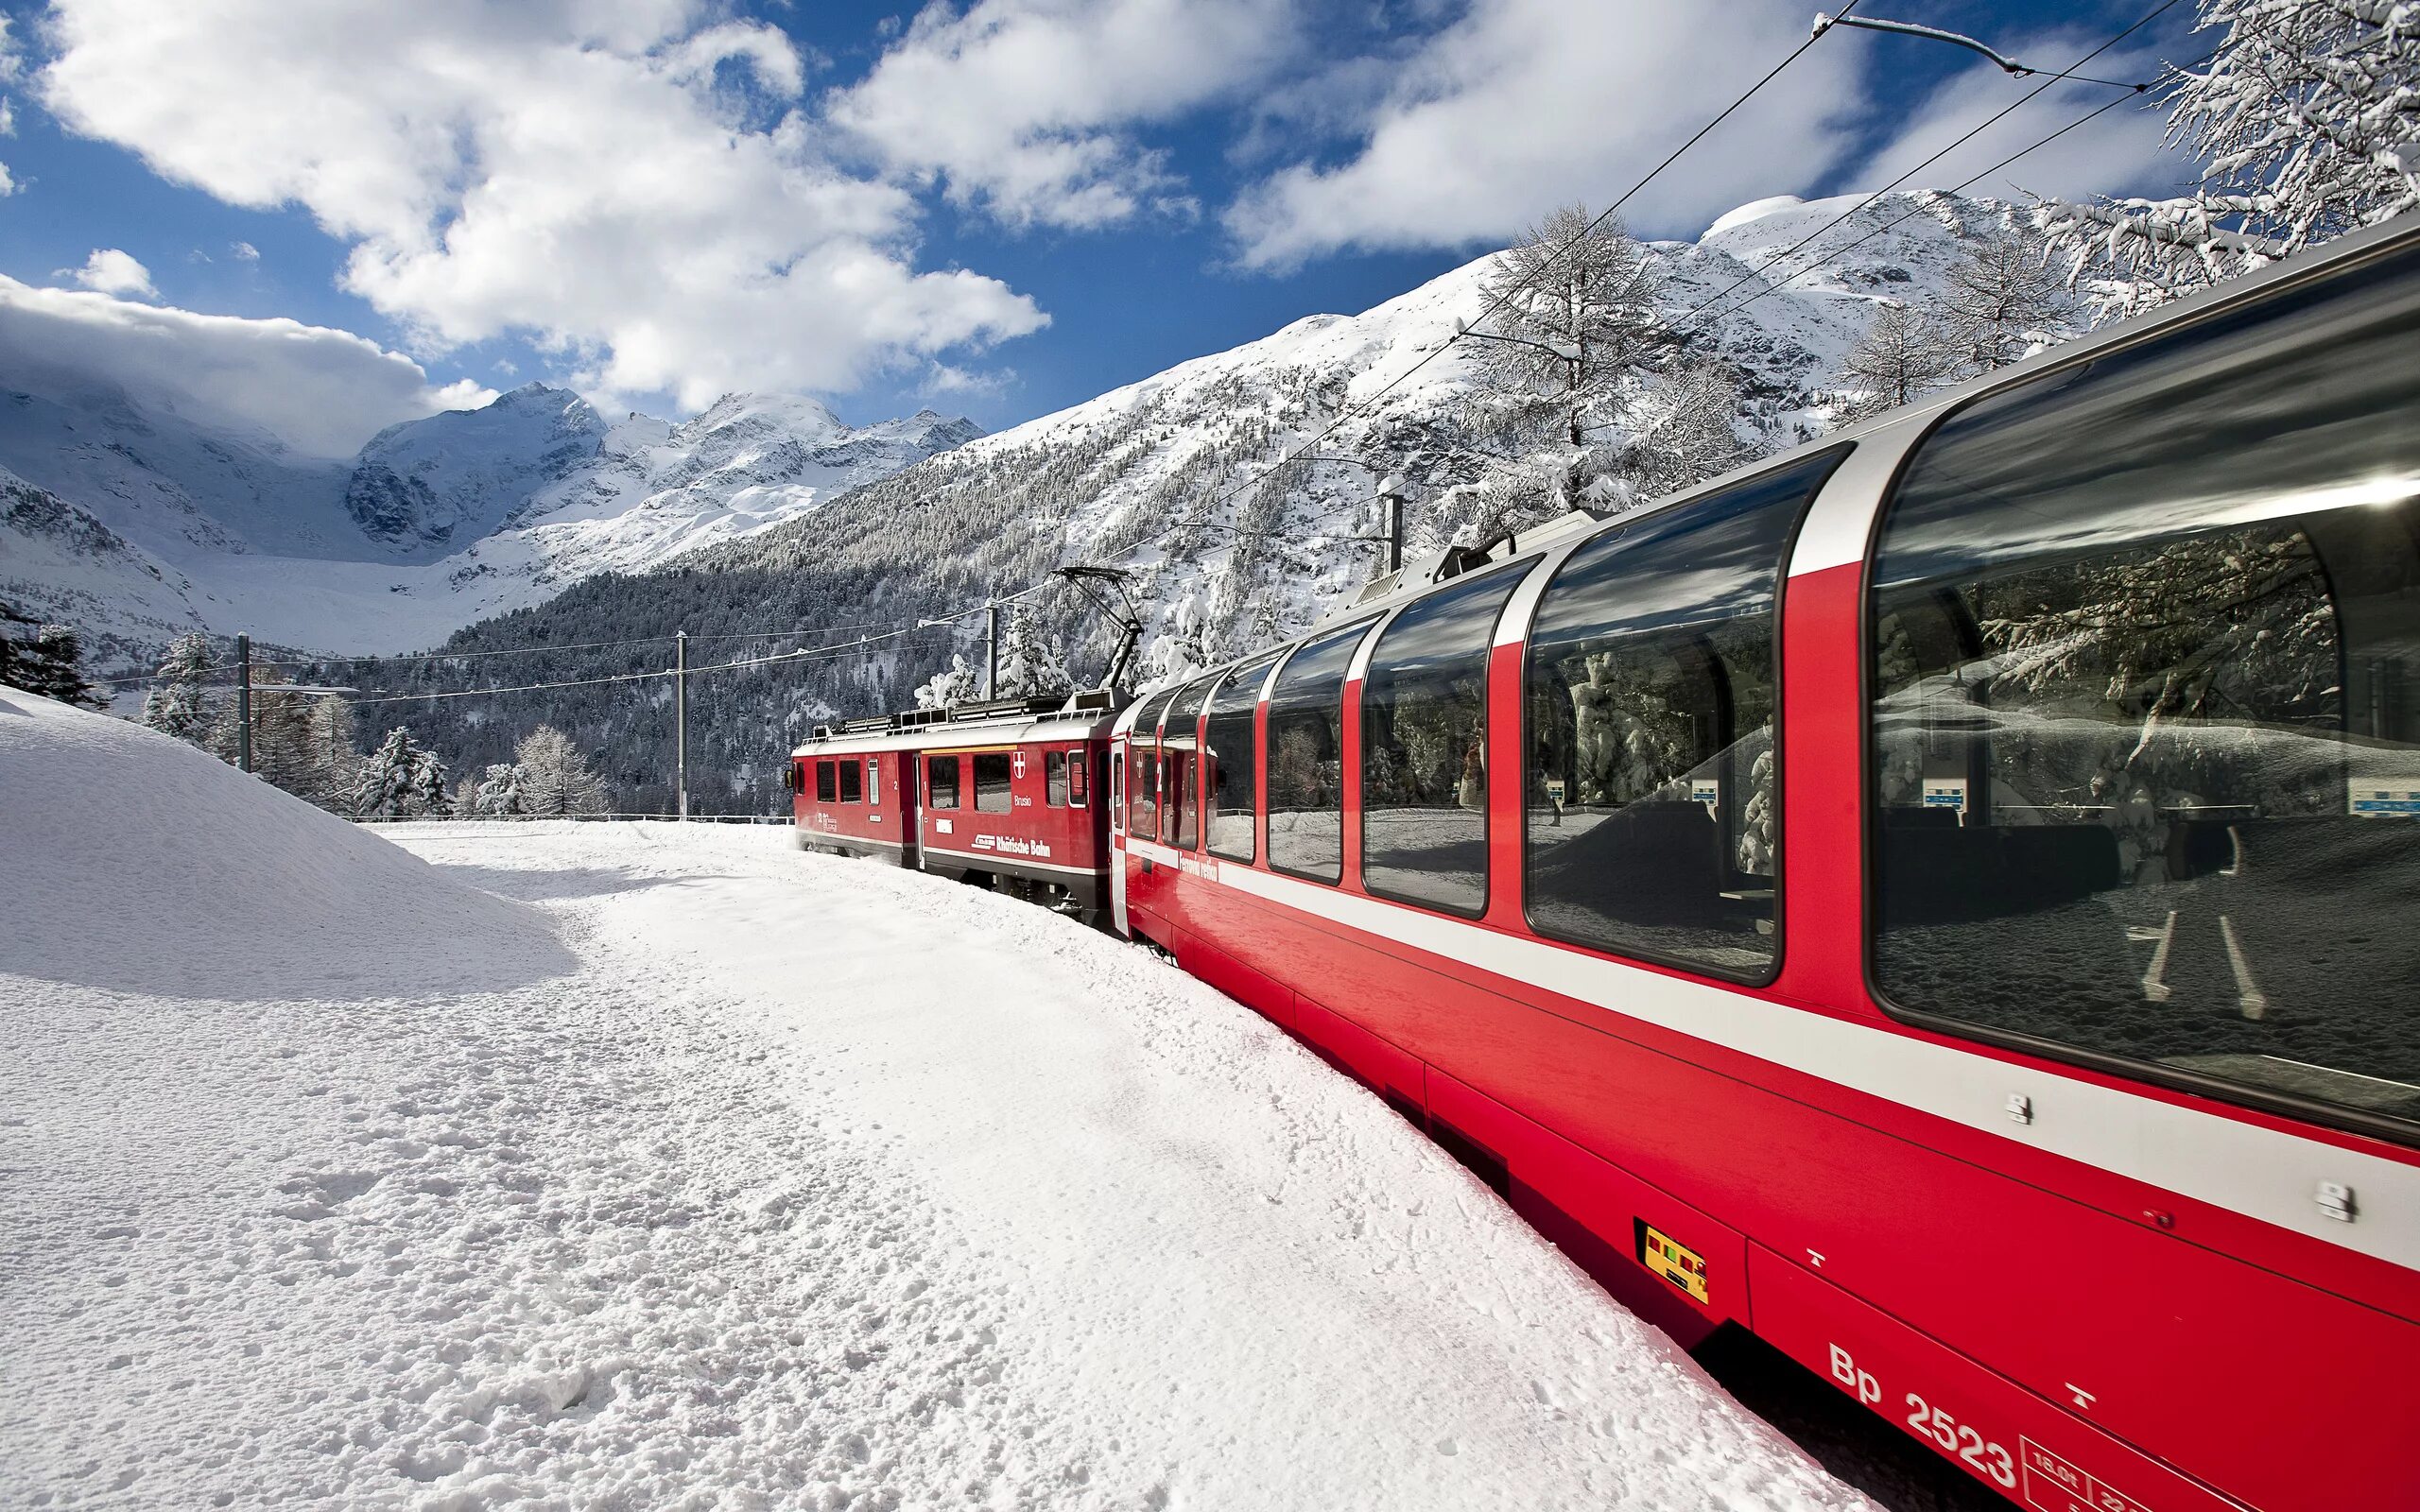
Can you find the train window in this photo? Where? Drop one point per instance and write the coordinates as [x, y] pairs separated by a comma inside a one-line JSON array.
[[1652, 804], [2146, 707], [1305, 758], [1423, 750], [826, 788], [993, 770], [940, 782], [1076, 764], [853, 787], [1227, 762], [873, 779], [1143, 781], [1054, 779], [1179, 811], [1116, 792]]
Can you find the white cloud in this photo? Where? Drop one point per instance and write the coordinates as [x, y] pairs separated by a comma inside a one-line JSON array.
[[243, 251], [111, 271], [8, 183], [7, 117], [321, 391], [1022, 106], [2121, 152], [629, 183], [1520, 105]]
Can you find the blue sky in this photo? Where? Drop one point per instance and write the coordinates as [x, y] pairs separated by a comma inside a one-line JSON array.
[[996, 208]]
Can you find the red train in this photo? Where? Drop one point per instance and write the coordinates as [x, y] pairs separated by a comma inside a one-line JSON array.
[[1945, 900]]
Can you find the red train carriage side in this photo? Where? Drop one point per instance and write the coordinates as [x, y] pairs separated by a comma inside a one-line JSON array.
[[1945, 900], [1004, 792]]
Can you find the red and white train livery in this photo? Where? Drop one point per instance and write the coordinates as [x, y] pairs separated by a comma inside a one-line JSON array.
[[1945, 900]]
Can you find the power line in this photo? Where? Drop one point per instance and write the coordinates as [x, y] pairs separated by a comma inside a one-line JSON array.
[[1852, 212]]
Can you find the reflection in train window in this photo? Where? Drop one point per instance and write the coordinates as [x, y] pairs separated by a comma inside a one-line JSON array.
[[1305, 758], [992, 778], [2145, 728], [1178, 813], [1652, 800], [826, 788], [940, 782], [1423, 749], [1227, 734]]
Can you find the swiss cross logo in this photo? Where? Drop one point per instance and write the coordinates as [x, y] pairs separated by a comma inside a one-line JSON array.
[[1019, 763]]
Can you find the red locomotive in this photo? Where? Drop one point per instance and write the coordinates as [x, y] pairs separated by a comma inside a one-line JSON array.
[[1002, 792], [1945, 900]]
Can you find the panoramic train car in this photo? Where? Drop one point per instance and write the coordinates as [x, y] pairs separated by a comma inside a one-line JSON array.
[[1945, 900], [1002, 792]]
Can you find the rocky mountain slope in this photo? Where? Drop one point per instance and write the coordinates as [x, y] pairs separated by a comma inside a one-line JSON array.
[[171, 525]]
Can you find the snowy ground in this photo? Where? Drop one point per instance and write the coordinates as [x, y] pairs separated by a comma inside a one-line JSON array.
[[641, 1167]]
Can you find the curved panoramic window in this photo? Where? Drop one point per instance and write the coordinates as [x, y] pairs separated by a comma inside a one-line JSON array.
[[1143, 778], [1179, 812], [1423, 749], [2145, 719], [1227, 759], [1306, 758], [1654, 817]]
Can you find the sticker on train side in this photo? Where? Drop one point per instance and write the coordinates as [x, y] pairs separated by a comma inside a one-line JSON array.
[[1668, 1258]]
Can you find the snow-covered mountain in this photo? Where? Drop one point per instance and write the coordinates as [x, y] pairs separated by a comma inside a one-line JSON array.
[[135, 525], [1262, 546], [1177, 476]]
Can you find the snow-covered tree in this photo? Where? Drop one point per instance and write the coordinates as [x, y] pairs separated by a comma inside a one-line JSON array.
[[332, 760], [1695, 436], [1578, 318], [1030, 661], [175, 706], [44, 658], [1904, 355], [498, 795], [2307, 118], [402, 779], [2004, 300], [961, 681], [555, 778]]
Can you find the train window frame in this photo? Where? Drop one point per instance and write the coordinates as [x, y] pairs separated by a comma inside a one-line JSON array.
[[2136, 1073], [874, 780], [849, 770], [1359, 631], [1829, 459], [1505, 579], [933, 798], [1054, 780], [1142, 745], [1259, 667], [1187, 754], [1078, 765], [828, 781], [995, 794], [1117, 787]]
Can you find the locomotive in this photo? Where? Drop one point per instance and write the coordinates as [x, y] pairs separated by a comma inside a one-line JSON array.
[[1944, 899]]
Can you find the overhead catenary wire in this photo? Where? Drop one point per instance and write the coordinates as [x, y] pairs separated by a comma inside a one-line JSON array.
[[2020, 103]]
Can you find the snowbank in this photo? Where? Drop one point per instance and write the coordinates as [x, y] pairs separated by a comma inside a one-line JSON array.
[[661, 1166], [136, 862]]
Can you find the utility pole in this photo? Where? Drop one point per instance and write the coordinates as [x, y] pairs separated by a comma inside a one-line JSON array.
[[680, 718], [244, 703], [992, 650], [1394, 531]]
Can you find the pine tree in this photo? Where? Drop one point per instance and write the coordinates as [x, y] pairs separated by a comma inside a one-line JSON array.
[[555, 778], [500, 795], [334, 761], [2005, 301], [2307, 118], [176, 706], [1905, 355], [1579, 308], [401, 780], [1031, 665], [958, 684], [49, 662]]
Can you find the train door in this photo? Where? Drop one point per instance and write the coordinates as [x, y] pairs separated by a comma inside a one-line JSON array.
[[1117, 835]]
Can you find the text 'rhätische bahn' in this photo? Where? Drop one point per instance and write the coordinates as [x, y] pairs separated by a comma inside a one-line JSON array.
[[1945, 900]]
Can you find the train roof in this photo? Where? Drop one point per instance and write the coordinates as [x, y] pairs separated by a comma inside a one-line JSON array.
[[1085, 714], [1895, 430]]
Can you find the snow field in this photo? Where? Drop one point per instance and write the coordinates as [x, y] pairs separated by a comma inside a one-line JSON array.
[[633, 1166]]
